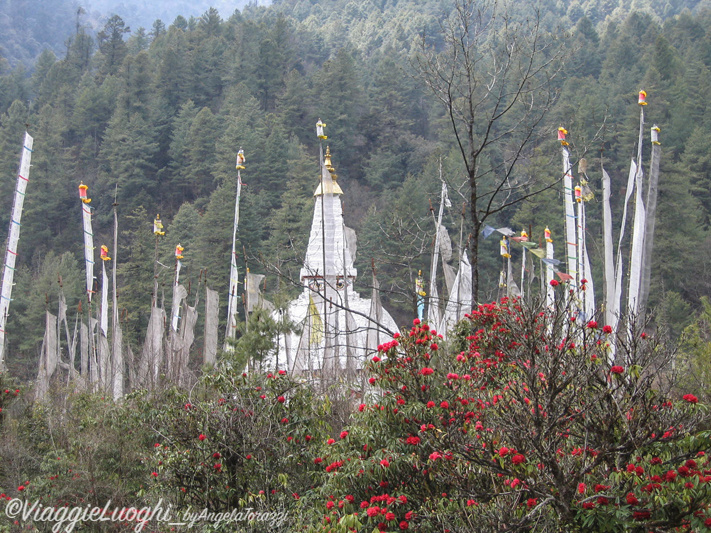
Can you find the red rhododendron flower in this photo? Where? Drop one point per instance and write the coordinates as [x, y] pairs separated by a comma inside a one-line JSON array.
[[641, 515], [404, 525], [581, 488], [201, 437], [444, 405], [617, 369], [390, 517], [632, 499], [554, 283], [503, 451], [344, 434], [373, 511], [607, 329], [518, 459], [330, 441], [385, 463], [690, 398], [376, 359], [430, 404], [426, 371], [592, 325], [531, 502], [281, 399]]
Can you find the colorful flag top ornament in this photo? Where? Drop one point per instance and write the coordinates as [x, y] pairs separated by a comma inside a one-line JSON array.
[[179, 251], [83, 193], [105, 253], [562, 132], [158, 226], [655, 135], [319, 130], [240, 160], [547, 235], [642, 100], [504, 247]]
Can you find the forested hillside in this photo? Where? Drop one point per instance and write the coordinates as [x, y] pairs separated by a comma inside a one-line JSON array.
[[153, 120]]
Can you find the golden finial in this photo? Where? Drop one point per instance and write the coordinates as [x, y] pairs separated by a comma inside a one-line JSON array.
[[327, 160]]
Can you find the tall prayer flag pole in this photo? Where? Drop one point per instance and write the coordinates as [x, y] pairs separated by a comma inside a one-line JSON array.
[[13, 237]]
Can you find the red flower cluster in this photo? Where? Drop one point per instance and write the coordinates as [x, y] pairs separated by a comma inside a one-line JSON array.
[[617, 369], [690, 398]]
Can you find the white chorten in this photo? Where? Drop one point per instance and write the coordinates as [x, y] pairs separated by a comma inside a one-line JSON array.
[[337, 328]]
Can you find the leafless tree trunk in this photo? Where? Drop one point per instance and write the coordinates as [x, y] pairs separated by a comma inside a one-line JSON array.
[[494, 77]]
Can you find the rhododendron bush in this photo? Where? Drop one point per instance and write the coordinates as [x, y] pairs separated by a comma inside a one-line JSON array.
[[240, 440], [534, 425]]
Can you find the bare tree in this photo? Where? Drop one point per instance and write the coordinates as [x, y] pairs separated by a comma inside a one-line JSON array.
[[493, 74]]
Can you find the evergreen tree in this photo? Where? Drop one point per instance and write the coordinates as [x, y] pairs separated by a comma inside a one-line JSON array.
[[128, 149], [135, 270], [111, 44]]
